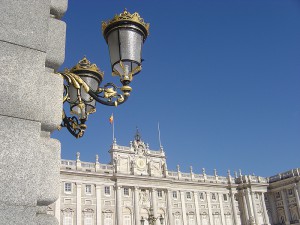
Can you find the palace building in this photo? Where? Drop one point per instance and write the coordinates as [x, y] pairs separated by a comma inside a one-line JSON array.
[[137, 184]]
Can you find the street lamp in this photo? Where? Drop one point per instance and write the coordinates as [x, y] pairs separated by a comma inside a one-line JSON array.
[[125, 35], [151, 219]]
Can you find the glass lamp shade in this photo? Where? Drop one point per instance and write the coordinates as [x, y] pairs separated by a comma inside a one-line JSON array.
[[125, 36], [93, 77], [89, 104]]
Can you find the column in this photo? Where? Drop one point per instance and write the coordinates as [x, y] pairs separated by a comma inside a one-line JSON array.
[[233, 205], [221, 208], [98, 205], [286, 207], [196, 197], [182, 198], [136, 206], [297, 198], [266, 216], [209, 208], [57, 209], [249, 205], [119, 205], [170, 206], [254, 207], [154, 204], [78, 204], [273, 208], [246, 213]]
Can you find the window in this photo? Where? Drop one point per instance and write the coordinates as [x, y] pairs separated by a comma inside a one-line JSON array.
[[277, 195], [68, 219], [127, 220], [88, 219], [68, 187], [108, 219], [201, 196], [175, 194], [107, 190], [177, 220], [188, 195], [126, 191], [159, 193], [191, 220], [213, 196], [88, 189], [290, 191], [225, 197]]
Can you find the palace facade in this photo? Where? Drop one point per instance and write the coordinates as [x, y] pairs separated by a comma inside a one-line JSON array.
[[137, 183]]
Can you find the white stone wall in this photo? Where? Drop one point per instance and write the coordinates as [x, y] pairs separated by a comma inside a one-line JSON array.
[[181, 198], [31, 108]]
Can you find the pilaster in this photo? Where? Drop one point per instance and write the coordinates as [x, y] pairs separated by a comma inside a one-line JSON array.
[[154, 203], [119, 205], [170, 206], [222, 208], [233, 205], [246, 212], [78, 204], [254, 207], [286, 207], [209, 208], [196, 197], [183, 208], [136, 206], [98, 205], [263, 203]]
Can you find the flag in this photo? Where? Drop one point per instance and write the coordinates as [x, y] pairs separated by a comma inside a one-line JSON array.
[[111, 119]]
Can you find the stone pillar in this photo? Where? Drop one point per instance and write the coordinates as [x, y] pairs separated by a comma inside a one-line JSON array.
[[273, 208], [119, 205], [183, 208], [209, 208], [170, 206], [297, 198], [249, 205], [98, 205], [136, 206], [263, 203], [196, 197], [233, 205], [246, 212], [254, 207], [57, 209], [154, 204], [32, 43], [286, 207], [78, 204], [222, 208]]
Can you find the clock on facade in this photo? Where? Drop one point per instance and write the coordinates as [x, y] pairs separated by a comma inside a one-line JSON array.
[[141, 163]]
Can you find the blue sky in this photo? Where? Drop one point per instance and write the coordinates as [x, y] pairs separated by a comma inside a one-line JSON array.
[[221, 77]]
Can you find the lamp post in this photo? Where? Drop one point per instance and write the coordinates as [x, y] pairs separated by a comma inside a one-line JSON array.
[[125, 35], [151, 218]]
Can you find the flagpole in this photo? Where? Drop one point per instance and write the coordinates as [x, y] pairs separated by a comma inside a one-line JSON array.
[[159, 135]]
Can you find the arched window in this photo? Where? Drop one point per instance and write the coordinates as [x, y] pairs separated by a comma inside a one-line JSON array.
[[108, 219], [127, 220], [67, 219], [88, 219], [191, 220], [67, 216]]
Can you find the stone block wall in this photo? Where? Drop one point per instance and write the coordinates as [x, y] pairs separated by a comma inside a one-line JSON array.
[[32, 47]]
